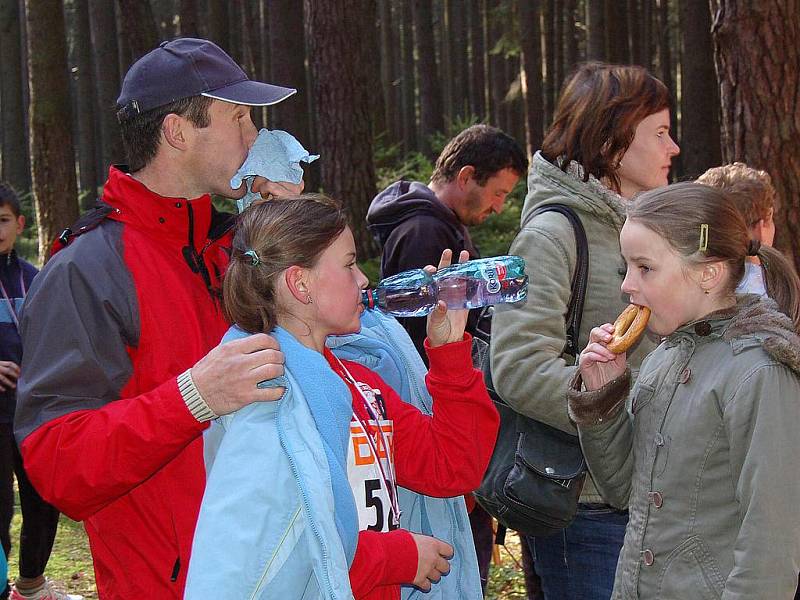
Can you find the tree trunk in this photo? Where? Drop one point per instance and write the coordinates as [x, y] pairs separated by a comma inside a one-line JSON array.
[[83, 102], [344, 105], [407, 83], [528, 17], [103, 26], [497, 73], [699, 141], [551, 88], [16, 168], [458, 59], [52, 157], [617, 31], [557, 43], [218, 22], [595, 26], [140, 27], [388, 70], [477, 44], [287, 55], [430, 92], [570, 44], [188, 18], [754, 43], [667, 71]]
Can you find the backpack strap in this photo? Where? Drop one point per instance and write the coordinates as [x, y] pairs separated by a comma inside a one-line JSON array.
[[86, 222], [579, 277]]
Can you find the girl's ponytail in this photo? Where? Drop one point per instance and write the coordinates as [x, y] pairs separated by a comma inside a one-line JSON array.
[[782, 283]]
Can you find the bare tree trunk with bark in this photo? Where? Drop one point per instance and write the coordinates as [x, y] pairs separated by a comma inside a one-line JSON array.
[[754, 42], [52, 158], [430, 91], [140, 27], [16, 168], [477, 44], [407, 84], [344, 105], [699, 140], [528, 16], [595, 35]]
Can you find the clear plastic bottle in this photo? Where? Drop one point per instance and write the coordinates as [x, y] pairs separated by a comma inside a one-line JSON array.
[[408, 294], [482, 282], [465, 285]]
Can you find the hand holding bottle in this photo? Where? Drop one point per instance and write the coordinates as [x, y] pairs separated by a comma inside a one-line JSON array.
[[447, 326]]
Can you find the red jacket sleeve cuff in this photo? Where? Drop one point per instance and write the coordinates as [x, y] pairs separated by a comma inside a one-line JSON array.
[[383, 559], [451, 361]]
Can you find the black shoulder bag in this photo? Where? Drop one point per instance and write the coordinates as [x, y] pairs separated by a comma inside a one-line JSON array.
[[536, 473]]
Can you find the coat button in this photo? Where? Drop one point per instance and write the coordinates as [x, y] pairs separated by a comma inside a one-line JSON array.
[[685, 375], [703, 328], [656, 498], [648, 558], [659, 439]]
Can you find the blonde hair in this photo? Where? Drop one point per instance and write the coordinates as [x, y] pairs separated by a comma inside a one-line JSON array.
[[676, 213], [751, 189]]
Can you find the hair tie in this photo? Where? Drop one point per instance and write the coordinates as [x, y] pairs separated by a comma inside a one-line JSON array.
[[254, 260], [753, 247], [703, 238]]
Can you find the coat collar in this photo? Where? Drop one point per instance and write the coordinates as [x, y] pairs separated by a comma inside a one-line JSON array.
[[168, 219]]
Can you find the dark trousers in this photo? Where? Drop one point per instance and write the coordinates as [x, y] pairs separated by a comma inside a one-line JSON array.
[[579, 562], [39, 519]]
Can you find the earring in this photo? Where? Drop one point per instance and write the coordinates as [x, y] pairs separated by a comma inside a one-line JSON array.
[[705, 292], [310, 301]]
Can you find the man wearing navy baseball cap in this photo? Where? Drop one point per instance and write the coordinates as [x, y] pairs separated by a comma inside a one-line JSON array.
[[121, 372]]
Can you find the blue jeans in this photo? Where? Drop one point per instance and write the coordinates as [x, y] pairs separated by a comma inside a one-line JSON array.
[[579, 562]]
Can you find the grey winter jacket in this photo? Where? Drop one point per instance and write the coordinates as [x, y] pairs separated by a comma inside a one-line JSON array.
[[705, 458], [529, 370]]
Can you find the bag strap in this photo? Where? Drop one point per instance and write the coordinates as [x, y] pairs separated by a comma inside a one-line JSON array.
[[579, 277]]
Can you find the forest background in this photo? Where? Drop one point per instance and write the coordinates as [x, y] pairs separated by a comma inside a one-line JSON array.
[[384, 83]]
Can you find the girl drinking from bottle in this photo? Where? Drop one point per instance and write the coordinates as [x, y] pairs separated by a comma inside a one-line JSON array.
[[704, 453], [302, 490]]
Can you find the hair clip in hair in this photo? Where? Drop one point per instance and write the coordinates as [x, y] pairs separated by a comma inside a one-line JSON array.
[[703, 237], [254, 259]]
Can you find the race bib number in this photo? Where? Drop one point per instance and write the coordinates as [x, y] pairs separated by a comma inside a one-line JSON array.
[[369, 463]]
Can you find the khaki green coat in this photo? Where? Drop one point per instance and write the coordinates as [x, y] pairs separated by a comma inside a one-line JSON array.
[[706, 459], [529, 369]]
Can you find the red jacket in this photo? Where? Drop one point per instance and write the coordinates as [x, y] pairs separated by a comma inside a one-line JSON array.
[[105, 435], [443, 455]]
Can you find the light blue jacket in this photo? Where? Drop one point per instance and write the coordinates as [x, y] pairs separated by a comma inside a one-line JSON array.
[[281, 564], [278, 518], [384, 347]]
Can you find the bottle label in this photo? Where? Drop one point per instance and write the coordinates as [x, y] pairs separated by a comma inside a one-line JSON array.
[[493, 274]]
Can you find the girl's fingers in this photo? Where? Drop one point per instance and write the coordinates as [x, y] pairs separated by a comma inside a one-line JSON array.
[[447, 258]]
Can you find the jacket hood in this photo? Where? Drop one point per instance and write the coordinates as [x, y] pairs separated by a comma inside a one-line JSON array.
[[548, 184], [759, 317], [754, 320], [401, 200]]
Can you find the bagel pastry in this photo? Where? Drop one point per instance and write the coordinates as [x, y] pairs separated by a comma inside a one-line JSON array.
[[628, 328]]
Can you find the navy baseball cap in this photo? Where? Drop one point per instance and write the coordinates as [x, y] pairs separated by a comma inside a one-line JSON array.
[[190, 67]]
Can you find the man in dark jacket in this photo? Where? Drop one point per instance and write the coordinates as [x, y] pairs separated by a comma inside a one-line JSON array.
[[414, 222], [122, 372]]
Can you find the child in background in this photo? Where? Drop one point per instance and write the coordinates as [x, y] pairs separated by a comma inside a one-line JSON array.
[[302, 491], [754, 195], [39, 519], [705, 454]]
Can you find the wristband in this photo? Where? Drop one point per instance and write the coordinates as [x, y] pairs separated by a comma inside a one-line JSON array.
[[194, 401]]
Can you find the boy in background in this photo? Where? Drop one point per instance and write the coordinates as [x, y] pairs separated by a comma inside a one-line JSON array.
[[39, 519], [754, 195]]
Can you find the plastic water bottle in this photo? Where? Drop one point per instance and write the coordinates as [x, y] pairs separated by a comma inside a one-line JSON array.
[[482, 282], [465, 285], [408, 294]]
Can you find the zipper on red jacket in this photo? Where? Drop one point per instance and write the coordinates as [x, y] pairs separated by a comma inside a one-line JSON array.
[[176, 569]]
